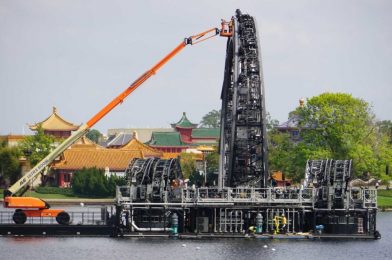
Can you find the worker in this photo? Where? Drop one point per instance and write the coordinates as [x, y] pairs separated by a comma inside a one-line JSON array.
[[276, 224], [252, 229], [283, 222]]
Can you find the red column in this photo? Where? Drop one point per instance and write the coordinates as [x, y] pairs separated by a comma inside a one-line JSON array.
[[61, 179]]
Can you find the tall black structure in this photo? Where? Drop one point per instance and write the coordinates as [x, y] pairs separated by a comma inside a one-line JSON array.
[[157, 199], [243, 144]]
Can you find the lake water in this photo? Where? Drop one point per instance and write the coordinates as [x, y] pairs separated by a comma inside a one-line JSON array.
[[12, 248]]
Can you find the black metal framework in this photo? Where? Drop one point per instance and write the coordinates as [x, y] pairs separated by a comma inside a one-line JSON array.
[[153, 178], [243, 144]]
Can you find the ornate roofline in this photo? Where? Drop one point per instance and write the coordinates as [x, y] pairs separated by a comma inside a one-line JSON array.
[[68, 126]]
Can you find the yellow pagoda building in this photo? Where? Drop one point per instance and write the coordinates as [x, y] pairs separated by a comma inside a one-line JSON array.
[[55, 125], [87, 154]]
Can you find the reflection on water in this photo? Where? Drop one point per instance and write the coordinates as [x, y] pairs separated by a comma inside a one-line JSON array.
[[160, 248]]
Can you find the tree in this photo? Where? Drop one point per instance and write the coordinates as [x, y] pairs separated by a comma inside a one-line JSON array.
[[385, 127], [37, 146], [270, 122], [188, 165], [332, 126], [93, 182], [9, 163], [212, 160], [94, 135], [211, 119], [340, 126]]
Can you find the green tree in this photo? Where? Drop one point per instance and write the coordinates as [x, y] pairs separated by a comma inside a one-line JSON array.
[[94, 135], [212, 160], [188, 165], [9, 163], [93, 182], [211, 119], [334, 126], [385, 127], [270, 122], [37, 146], [339, 126]]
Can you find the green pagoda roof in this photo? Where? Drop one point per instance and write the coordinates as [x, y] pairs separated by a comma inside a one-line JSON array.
[[166, 139], [184, 123], [205, 132]]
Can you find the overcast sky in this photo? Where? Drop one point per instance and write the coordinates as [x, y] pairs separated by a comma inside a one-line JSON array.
[[77, 55]]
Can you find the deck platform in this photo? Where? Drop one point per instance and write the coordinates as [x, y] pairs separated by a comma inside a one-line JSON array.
[[55, 230]]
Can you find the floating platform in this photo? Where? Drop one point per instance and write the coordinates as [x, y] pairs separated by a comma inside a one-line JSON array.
[[55, 230], [302, 236]]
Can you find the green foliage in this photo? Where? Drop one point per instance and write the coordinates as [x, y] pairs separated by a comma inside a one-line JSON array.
[[196, 179], [94, 135], [385, 127], [270, 122], [9, 163], [212, 160], [343, 127], [336, 121], [211, 119], [188, 165], [93, 182], [54, 190], [337, 126], [37, 147]]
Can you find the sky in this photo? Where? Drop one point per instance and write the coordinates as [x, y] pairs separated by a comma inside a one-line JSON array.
[[78, 55]]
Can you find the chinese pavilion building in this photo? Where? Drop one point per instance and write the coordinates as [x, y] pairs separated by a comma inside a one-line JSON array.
[[87, 154], [55, 125]]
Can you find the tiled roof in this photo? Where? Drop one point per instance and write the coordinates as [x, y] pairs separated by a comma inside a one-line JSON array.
[[120, 140], [170, 155], [85, 153], [148, 151], [205, 132], [78, 158], [55, 123], [291, 123], [143, 134], [184, 123], [84, 142], [166, 139]]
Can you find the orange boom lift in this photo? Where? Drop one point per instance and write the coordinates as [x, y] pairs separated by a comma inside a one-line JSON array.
[[34, 207]]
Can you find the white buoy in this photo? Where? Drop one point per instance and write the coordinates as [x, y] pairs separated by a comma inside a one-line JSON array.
[[183, 245], [273, 249], [81, 204], [265, 246], [198, 248]]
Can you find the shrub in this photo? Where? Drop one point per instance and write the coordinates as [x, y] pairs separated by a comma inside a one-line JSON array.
[[93, 182], [54, 190]]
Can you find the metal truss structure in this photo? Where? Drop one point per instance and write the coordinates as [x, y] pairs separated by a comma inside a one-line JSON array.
[[243, 146], [153, 178], [155, 192]]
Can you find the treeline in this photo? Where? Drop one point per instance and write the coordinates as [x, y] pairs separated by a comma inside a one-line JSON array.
[[93, 182]]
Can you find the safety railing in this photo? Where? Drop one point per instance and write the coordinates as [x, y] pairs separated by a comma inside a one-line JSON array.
[[126, 194]]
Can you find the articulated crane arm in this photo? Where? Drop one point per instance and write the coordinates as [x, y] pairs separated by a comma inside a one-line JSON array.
[[33, 173]]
